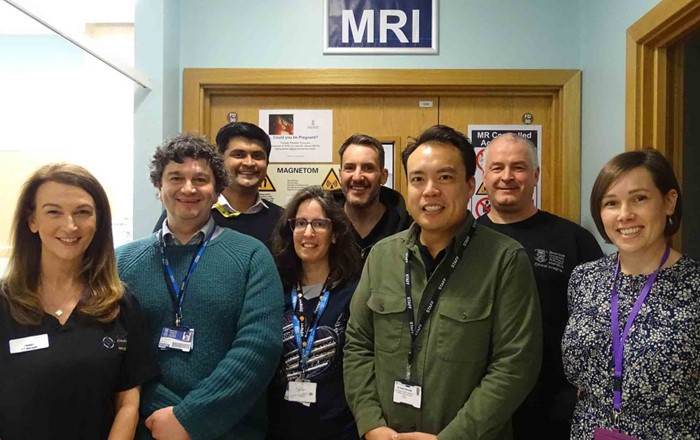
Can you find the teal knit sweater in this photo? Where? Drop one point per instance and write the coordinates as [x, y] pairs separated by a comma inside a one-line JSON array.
[[234, 301]]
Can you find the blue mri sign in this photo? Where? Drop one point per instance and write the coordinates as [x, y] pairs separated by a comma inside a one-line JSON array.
[[380, 26]]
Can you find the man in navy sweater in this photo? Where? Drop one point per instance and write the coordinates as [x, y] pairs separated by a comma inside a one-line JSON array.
[[246, 151]]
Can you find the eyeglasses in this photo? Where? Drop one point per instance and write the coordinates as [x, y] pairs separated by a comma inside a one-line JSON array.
[[317, 224]]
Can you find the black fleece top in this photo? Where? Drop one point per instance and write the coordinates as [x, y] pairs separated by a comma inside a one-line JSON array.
[[395, 218]]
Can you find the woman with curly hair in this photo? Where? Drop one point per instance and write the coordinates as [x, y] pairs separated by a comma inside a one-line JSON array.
[[319, 262]]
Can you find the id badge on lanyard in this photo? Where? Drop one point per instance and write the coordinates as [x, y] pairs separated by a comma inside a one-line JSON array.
[[618, 344], [405, 391], [179, 337], [304, 391]]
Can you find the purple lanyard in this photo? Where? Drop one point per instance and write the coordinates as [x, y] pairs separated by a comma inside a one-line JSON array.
[[618, 342]]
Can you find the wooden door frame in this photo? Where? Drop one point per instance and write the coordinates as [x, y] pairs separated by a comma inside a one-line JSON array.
[[654, 89], [562, 86]]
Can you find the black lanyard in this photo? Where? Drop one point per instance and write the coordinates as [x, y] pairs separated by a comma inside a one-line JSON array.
[[414, 328]]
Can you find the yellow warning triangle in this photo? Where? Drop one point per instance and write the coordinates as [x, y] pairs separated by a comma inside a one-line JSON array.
[[482, 190], [266, 185], [331, 181]]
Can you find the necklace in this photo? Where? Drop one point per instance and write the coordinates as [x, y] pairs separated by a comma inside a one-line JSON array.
[[61, 307]]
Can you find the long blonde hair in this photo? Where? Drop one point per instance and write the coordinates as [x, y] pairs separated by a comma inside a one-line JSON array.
[[99, 271]]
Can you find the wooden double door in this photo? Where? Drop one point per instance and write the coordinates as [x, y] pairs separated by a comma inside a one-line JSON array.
[[397, 105]]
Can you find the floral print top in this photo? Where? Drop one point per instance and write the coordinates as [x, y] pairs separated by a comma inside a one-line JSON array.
[[661, 371]]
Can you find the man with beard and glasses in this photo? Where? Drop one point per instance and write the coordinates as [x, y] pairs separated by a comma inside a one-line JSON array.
[[374, 210], [246, 150], [555, 246]]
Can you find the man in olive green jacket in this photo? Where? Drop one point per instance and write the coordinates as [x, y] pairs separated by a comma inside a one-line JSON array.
[[444, 339]]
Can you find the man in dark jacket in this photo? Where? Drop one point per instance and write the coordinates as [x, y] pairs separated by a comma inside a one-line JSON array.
[[374, 210]]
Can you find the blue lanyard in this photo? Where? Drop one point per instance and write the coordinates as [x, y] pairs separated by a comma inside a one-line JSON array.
[[178, 292], [305, 337]]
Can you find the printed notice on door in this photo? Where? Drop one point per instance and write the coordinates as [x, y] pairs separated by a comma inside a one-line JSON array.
[[299, 136]]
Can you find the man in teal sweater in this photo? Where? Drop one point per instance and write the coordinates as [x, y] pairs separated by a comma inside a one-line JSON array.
[[214, 303]]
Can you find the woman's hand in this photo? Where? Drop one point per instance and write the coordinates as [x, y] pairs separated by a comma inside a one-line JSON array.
[[165, 426], [126, 407], [381, 433], [415, 436]]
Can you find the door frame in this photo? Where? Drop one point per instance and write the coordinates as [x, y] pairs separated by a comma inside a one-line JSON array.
[[562, 86], [654, 89]]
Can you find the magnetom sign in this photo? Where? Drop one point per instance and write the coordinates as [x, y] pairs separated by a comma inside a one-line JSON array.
[[380, 26]]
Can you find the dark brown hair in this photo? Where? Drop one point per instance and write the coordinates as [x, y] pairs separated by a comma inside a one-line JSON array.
[[99, 271], [343, 255], [661, 174], [366, 141]]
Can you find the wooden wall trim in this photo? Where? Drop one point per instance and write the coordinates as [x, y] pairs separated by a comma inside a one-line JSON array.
[[654, 75], [564, 86], [666, 23], [650, 73], [570, 136], [393, 77]]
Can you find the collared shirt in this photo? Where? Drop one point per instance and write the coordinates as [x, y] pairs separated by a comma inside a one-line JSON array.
[[257, 206], [197, 238]]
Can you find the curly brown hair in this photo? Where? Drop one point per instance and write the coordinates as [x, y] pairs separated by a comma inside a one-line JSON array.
[[192, 146]]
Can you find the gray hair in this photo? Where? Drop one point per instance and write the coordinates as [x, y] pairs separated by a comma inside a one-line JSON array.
[[516, 138]]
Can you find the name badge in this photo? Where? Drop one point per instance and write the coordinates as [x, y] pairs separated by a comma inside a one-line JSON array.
[[407, 393], [302, 392], [609, 434], [176, 339], [30, 343]]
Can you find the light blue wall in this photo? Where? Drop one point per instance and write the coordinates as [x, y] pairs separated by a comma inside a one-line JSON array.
[[156, 111], [603, 60], [474, 34]]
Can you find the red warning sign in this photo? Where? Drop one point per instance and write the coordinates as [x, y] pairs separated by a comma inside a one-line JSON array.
[[482, 207], [480, 159]]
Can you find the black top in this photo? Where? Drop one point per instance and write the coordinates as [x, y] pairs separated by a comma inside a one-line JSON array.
[[66, 391], [257, 225], [429, 262], [394, 220], [554, 246], [330, 416]]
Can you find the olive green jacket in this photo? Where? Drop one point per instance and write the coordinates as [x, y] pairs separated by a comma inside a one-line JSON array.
[[478, 355]]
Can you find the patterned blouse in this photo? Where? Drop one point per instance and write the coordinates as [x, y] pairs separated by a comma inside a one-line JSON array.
[[661, 375]]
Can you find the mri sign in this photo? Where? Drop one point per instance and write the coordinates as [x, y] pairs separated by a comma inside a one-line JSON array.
[[380, 26]]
